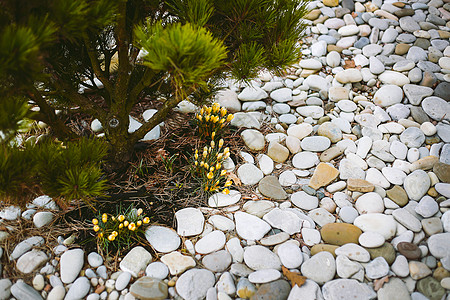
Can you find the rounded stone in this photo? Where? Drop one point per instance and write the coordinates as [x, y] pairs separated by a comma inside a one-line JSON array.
[[305, 160], [320, 268], [150, 288], [157, 270], [211, 242], [71, 263], [340, 233], [253, 139], [331, 131], [162, 239], [249, 174], [409, 250], [388, 95], [386, 251], [259, 257], [370, 203], [290, 255], [315, 143], [371, 240], [217, 261]]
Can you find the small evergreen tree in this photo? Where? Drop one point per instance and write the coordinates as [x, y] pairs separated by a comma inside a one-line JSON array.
[[51, 48]]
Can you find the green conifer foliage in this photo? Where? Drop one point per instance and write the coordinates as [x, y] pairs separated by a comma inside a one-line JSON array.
[[50, 49]]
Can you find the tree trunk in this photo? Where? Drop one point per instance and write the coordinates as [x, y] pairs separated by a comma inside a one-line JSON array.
[[120, 146]]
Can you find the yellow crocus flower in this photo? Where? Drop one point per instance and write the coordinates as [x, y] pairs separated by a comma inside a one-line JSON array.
[[210, 175], [223, 111], [94, 221]]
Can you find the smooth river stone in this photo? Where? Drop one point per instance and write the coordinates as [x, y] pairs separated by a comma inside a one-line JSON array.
[[386, 251], [321, 267], [250, 227], [340, 233], [259, 258], [270, 187], [347, 289], [323, 175], [305, 160], [388, 95], [376, 222], [417, 184], [315, 143]]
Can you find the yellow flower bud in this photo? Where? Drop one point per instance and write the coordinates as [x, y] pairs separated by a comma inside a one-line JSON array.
[[222, 121], [215, 119], [199, 118], [126, 223], [104, 218], [230, 117], [114, 233], [94, 221], [219, 156], [207, 117], [100, 235], [220, 143], [146, 220], [139, 223], [223, 173], [202, 111], [226, 191], [205, 153], [228, 183], [210, 175], [139, 211], [213, 135], [202, 163], [111, 238], [216, 106], [205, 148], [208, 109], [213, 144], [211, 169], [113, 218], [226, 155], [218, 166], [120, 225], [206, 166], [223, 111], [132, 226], [121, 218], [96, 228], [196, 163], [196, 156]]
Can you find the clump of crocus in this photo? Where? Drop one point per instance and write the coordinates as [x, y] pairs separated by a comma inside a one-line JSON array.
[[208, 167], [121, 229], [211, 120]]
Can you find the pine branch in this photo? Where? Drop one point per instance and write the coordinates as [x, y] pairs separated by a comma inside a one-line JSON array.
[[96, 64], [85, 104], [49, 116], [145, 81]]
